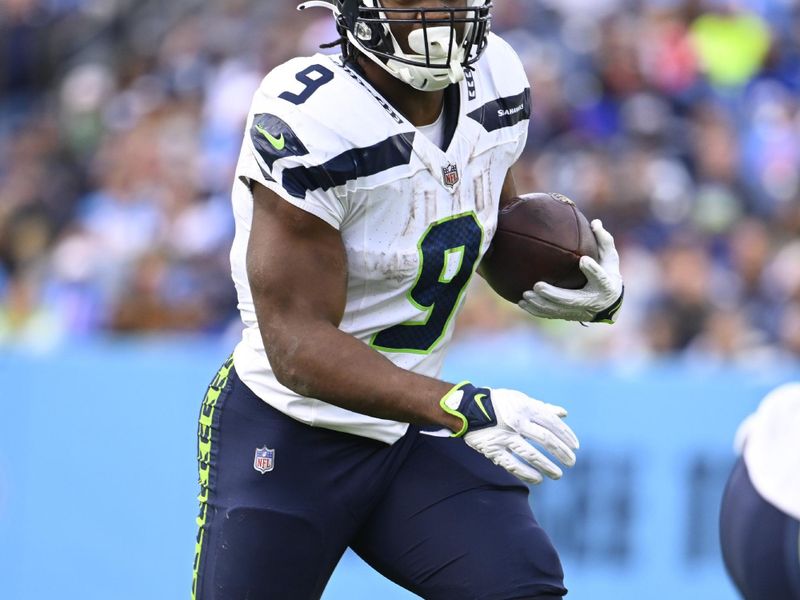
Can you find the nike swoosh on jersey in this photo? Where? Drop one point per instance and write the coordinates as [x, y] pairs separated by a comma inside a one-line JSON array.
[[274, 139], [279, 143]]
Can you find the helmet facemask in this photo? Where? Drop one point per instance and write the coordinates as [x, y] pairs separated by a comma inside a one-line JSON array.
[[441, 42]]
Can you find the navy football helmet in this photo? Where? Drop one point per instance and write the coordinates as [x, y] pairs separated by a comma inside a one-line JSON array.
[[441, 44]]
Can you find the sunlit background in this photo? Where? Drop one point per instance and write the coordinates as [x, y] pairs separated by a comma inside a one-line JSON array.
[[675, 122]]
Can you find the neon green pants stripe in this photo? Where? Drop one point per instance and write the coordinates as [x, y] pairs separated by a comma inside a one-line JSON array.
[[205, 443]]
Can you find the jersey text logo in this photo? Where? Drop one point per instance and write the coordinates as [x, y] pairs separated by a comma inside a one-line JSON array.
[[380, 100], [510, 111], [264, 460], [279, 143]]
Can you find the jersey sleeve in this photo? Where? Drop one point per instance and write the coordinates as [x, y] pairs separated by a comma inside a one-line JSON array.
[[286, 150], [519, 89], [503, 99], [513, 87], [522, 140]]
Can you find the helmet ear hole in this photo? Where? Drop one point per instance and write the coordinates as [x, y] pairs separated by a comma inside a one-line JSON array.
[[370, 31], [363, 32]]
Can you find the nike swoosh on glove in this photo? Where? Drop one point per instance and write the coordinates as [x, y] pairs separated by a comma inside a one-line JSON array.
[[596, 302], [504, 424]]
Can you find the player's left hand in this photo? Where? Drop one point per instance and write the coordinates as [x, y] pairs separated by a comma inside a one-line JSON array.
[[596, 302], [504, 425]]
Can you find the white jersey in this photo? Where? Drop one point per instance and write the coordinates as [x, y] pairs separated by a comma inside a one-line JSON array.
[[771, 438], [415, 220]]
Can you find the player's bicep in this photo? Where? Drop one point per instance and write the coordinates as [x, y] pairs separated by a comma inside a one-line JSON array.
[[296, 266]]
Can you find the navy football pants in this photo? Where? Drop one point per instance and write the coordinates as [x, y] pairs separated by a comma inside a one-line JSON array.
[[431, 514], [759, 542]]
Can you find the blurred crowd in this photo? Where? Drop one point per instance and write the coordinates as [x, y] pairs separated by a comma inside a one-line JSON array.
[[677, 122]]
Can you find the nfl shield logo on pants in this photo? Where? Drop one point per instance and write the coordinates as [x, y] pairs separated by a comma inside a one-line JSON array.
[[264, 460], [450, 175]]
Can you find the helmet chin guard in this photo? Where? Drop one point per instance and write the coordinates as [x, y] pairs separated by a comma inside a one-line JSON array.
[[434, 45], [438, 54]]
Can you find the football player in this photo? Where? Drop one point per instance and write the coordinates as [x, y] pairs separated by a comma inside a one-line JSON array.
[[367, 191], [760, 515]]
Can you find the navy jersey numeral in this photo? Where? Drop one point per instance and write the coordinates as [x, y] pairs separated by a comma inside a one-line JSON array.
[[448, 252], [314, 77]]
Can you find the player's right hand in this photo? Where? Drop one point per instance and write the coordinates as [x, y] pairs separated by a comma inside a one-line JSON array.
[[503, 425], [598, 301]]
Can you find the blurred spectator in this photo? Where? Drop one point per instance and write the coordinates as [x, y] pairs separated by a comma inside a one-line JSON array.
[[731, 44], [675, 121]]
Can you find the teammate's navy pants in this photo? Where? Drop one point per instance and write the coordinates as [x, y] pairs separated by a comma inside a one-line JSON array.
[[760, 544], [281, 501]]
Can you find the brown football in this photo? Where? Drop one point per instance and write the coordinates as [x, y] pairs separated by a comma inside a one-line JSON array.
[[539, 237]]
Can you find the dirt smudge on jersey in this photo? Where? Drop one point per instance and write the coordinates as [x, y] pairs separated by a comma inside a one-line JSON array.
[[397, 267], [430, 206], [412, 215], [480, 198]]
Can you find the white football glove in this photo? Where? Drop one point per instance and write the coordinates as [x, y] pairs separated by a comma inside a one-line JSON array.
[[499, 423], [596, 302]]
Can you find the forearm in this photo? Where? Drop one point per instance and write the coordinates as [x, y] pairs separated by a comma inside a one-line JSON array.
[[317, 360]]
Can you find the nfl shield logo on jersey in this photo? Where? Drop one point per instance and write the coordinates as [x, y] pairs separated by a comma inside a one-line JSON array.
[[450, 175], [264, 460]]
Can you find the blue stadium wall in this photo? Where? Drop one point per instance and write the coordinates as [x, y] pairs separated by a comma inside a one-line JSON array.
[[98, 481]]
